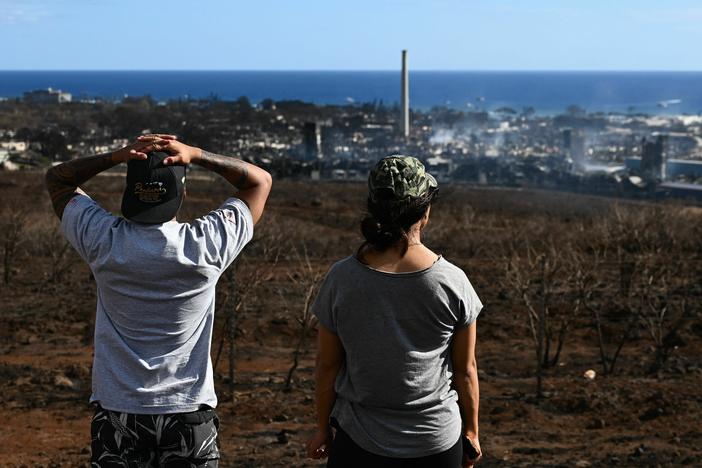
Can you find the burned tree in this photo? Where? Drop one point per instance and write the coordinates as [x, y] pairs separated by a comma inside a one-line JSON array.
[[51, 243], [593, 293], [306, 279], [243, 280], [12, 225], [540, 279], [664, 308]]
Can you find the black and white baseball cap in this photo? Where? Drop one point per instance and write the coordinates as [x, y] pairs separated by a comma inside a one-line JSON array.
[[154, 191]]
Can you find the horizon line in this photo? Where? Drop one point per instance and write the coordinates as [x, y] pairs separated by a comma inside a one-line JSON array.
[[321, 70]]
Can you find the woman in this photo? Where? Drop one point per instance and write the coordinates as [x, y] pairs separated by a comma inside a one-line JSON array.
[[396, 373]]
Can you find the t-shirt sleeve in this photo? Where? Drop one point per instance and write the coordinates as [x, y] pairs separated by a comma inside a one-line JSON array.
[[85, 223], [471, 305], [227, 230], [323, 305]]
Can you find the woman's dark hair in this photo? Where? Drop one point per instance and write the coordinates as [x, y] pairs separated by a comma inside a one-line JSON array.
[[388, 221]]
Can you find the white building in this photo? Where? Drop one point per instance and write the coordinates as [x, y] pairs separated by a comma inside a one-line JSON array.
[[47, 96], [14, 146]]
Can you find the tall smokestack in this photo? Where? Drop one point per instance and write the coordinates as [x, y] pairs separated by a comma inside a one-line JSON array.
[[405, 122]]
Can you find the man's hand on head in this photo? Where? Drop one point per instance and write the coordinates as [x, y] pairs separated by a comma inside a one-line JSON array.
[[143, 145], [179, 153]]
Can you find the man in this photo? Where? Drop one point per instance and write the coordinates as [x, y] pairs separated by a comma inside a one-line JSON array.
[[152, 373]]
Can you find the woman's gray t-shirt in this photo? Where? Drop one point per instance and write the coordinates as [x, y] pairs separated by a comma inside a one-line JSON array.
[[394, 395]]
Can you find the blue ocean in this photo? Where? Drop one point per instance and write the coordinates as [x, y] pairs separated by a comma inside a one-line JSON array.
[[546, 92]]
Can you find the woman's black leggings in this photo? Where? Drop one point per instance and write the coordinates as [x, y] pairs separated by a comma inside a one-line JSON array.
[[345, 453]]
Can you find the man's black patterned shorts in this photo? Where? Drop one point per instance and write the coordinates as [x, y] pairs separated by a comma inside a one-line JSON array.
[[154, 440]]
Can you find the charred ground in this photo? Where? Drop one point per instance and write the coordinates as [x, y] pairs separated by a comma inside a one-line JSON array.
[[588, 259]]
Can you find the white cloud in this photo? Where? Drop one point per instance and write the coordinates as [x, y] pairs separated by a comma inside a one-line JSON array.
[[22, 11]]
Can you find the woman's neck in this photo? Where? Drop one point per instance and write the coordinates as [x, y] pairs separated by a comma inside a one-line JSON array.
[[417, 257]]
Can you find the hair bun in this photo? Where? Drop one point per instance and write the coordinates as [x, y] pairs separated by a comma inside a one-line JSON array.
[[378, 234]]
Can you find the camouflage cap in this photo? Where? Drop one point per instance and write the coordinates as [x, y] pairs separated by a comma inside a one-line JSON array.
[[398, 178]]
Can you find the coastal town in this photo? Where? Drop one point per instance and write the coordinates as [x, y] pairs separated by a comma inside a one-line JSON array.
[[619, 154]]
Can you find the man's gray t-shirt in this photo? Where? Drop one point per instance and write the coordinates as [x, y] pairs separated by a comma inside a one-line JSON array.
[[155, 302], [394, 395]]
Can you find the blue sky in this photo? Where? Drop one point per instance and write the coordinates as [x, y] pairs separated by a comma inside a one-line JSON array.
[[350, 34]]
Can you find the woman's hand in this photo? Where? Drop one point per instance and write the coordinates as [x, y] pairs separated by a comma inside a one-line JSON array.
[[319, 444], [473, 439]]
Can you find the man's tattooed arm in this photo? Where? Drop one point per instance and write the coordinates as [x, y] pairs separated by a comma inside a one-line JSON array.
[[234, 170], [252, 182], [62, 181]]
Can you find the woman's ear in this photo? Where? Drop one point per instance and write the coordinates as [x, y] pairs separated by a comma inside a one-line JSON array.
[[425, 219]]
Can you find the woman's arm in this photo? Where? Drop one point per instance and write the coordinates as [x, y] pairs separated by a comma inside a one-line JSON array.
[[465, 381], [330, 356]]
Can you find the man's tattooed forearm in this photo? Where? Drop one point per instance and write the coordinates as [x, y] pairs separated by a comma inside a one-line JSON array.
[[62, 180], [78, 171], [232, 169]]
